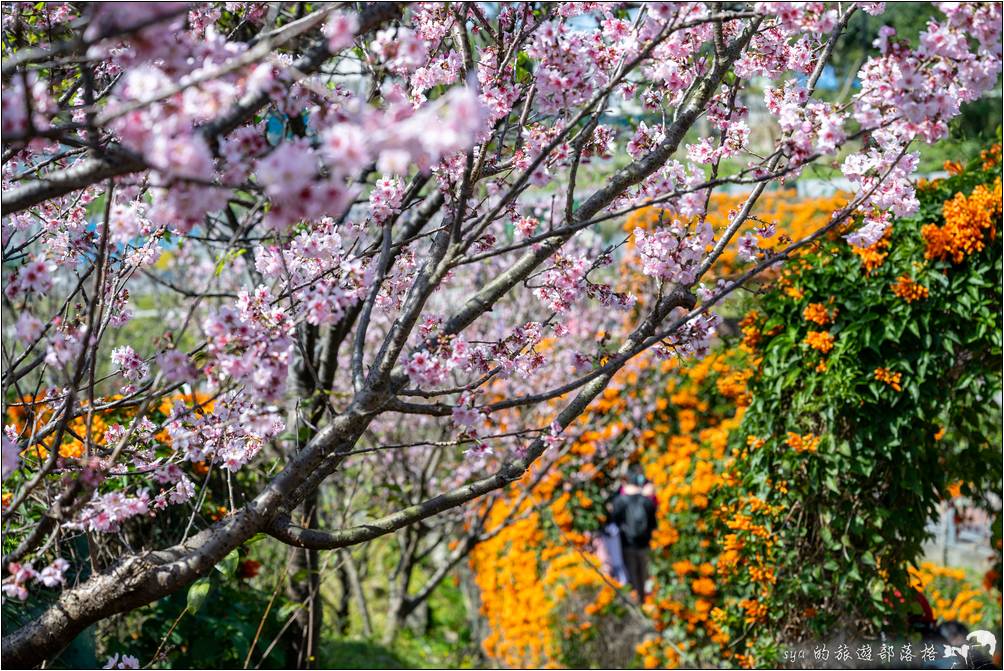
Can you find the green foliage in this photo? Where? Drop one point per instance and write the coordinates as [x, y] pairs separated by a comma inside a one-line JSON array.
[[445, 639], [211, 625], [849, 516], [361, 655]]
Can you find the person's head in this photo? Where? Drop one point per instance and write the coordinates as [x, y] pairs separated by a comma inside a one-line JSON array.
[[636, 476]]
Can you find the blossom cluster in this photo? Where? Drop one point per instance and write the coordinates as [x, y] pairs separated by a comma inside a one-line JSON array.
[[21, 575], [230, 435], [251, 343], [567, 281], [673, 253]]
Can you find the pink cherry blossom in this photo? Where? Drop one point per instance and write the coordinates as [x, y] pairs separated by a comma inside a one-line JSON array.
[[28, 328], [340, 29], [130, 364]]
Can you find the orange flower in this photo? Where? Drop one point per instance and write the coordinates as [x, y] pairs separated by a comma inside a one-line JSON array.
[[703, 586], [819, 340], [991, 157], [751, 331], [874, 256], [794, 293], [952, 595], [733, 386], [909, 290], [762, 574], [953, 167], [756, 612], [816, 312], [968, 222], [683, 567], [807, 443], [891, 378]]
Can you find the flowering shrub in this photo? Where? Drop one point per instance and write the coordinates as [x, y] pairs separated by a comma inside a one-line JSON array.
[[897, 399]]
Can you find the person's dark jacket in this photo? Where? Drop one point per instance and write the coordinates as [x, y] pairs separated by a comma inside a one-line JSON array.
[[625, 512]]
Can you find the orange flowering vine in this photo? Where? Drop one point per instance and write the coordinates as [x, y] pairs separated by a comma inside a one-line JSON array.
[[821, 341], [890, 377], [803, 443], [909, 290], [969, 222]]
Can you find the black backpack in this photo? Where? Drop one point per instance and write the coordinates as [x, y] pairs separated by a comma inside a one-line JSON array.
[[635, 527]]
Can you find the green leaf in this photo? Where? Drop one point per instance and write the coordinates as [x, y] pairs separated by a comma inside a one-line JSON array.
[[197, 594], [228, 566], [524, 68], [233, 254], [876, 588]]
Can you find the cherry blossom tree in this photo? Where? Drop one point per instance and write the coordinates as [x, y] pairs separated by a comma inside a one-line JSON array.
[[373, 238]]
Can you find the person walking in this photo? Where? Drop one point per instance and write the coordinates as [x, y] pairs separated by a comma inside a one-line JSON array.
[[633, 511]]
